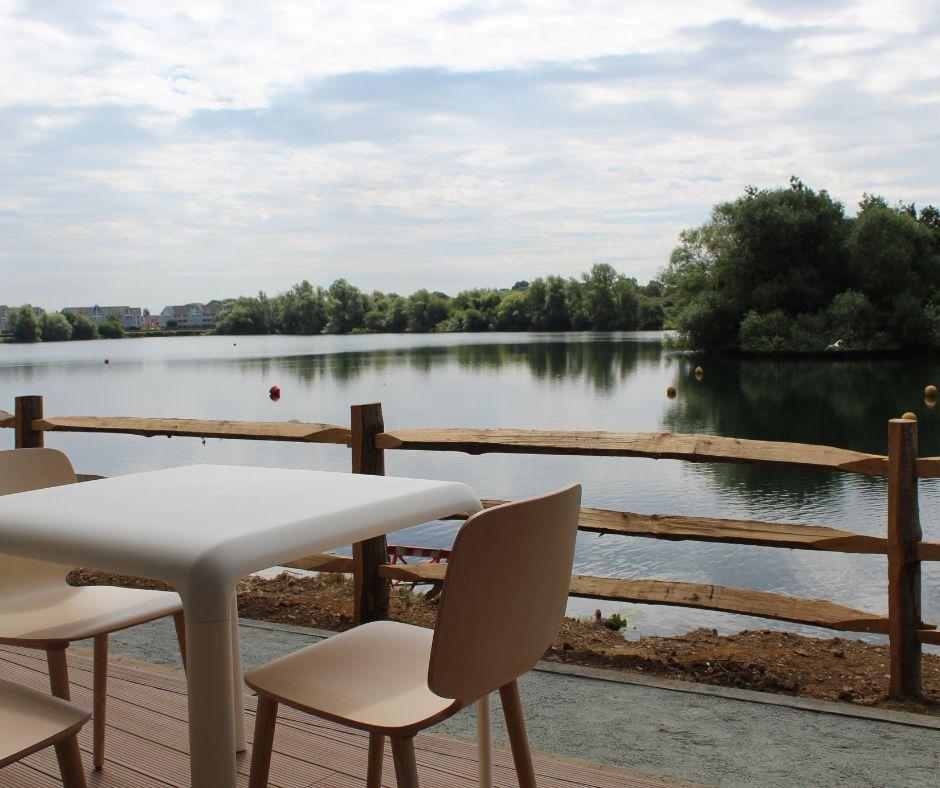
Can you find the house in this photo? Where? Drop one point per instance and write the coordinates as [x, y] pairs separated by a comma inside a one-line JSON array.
[[192, 315], [129, 316]]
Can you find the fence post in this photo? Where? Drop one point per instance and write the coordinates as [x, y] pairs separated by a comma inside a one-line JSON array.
[[371, 591], [28, 409], [904, 534]]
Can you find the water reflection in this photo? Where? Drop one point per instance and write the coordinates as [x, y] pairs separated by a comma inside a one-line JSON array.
[[603, 364]]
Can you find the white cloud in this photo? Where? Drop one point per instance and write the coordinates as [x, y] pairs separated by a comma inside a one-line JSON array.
[[157, 152]]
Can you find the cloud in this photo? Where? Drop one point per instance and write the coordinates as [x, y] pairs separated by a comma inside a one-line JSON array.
[[158, 153]]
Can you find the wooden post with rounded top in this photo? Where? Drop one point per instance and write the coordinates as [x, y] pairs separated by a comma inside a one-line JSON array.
[[28, 409], [371, 591], [904, 534]]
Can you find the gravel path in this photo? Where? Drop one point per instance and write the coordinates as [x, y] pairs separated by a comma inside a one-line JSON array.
[[678, 735]]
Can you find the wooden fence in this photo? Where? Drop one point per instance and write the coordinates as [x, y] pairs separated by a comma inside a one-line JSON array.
[[903, 543]]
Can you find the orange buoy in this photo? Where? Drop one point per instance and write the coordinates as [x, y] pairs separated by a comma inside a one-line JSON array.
[[107, 361], [699, 372], [909, 416], [930, 392], [671, 392], [274, 392]]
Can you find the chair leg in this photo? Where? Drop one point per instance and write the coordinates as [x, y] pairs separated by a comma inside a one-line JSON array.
[[58, 672], [518, 741], [99, 699], [70, 762], [376, 756], [406, 768], [179, 622], [265, 720]]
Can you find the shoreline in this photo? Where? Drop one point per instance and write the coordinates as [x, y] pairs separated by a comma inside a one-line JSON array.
[[784, 663]]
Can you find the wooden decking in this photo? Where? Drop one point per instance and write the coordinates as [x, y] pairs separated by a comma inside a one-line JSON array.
[[148, 743]]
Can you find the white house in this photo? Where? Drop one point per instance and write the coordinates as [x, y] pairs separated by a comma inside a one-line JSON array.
[[192, 315], [128, 315]]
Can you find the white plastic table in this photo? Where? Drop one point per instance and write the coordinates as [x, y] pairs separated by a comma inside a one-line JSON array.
[[202, 528]]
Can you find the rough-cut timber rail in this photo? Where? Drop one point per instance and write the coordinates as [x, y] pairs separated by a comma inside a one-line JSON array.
[[655, 445], [7, 420], [745, 532], [198, 428], [813, 612]]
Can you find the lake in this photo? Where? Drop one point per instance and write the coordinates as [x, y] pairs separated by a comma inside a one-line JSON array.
[[597, 381]]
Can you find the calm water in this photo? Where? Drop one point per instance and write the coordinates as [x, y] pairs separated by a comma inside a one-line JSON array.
[[578, 380]]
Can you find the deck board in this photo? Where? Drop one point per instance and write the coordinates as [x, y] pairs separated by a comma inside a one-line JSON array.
[[148, 743]]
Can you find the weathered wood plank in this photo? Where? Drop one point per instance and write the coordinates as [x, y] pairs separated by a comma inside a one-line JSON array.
[[198, 428], [814, 612], [7, 420], [746, 532], [928, 467], [655, 445], [324, 562]]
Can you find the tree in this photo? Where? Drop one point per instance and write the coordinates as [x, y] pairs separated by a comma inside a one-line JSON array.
[[599, 303], [172, 324], [23, 324], [111, 328], [55, 327], [345, 307], [83, 327], [302, 309], [426, 310], [513, 314], [786, 270]]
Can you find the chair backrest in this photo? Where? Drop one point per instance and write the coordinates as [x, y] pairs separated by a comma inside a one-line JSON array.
[[33, 469], [504, 595], [22, 470]]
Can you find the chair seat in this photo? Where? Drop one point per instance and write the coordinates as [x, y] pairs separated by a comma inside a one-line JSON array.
[[74, 613], [373, 677], [31, 720]]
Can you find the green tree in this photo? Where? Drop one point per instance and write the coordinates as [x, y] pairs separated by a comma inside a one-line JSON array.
[[111, 328], [600, 305], [513, 313], [345, 307], [302, 309], [173, 324], [426, 310], [55, 327], [83, 327], [23, 324]]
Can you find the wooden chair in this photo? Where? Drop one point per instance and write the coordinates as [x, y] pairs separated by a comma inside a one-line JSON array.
[[504, 598], [38, 609], [31, 721]]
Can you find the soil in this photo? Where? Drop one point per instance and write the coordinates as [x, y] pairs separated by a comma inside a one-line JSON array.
[[837, 669]]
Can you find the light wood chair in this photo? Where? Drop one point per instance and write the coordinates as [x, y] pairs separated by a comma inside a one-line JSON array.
[[503, 601], [31, 721], [39, 609]]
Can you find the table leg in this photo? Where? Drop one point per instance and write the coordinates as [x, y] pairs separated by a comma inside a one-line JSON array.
[[211, 719], [241, 742]]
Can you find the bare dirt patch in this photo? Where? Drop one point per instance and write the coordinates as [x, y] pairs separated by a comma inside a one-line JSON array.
[[829, 669]]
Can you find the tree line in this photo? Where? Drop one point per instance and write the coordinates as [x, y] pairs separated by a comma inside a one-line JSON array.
[[25, 326], [785, 270], [601, 299]]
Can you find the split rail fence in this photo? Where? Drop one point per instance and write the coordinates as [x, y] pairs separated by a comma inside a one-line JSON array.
[[903, 543]]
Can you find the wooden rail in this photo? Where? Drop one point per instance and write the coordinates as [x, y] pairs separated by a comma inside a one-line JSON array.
[[198, 428], [903, 544], [655, 445]]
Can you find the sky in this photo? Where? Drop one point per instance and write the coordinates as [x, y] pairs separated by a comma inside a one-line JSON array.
[[163, 152]]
